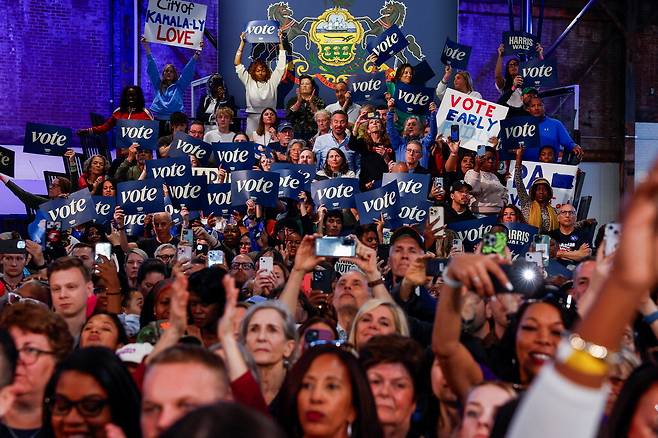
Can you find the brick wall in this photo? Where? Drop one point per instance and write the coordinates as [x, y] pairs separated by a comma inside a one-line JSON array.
[[54, 63], [57, 66], [601, 88]]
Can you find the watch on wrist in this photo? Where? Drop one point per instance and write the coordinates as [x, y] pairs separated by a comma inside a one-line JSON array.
[[376, 282]]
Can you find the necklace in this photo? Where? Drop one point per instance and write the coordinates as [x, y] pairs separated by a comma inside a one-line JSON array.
[[11, 432]]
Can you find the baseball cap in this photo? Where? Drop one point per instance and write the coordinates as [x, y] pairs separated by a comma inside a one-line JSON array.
[[406, 231], [134, 353], [530, 90], [458, 185], [284, 125]]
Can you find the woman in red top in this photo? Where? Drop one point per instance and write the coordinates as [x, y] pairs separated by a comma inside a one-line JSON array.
[[131, 106]]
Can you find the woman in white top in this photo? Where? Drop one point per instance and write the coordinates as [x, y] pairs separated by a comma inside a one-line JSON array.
[[489, 194], [462, 83], [265, 131], [260, 83]]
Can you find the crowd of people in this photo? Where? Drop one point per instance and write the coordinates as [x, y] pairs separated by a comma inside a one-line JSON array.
[[250, 332]]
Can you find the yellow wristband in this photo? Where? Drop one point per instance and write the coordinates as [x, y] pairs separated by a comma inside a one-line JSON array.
[[584, 363]]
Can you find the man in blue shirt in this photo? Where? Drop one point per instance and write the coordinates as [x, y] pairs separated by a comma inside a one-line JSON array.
[[551, 133], [412, 131], [338, 137]]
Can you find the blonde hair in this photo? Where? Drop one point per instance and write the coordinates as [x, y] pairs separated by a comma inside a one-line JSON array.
[[399, 318], [467, 78]]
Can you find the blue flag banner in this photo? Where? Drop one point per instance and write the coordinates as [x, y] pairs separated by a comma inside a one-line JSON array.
[[137, 197], [75, 210], [134, 224], [471, 232], [46, 139], [519, 42], [519, 238], [143, 132], [262, 187], [414, 185], [387, 44], [262, 31], [515, 130], [412, 210], [456, 55], [184, 145], [412, 99], [368, 87], [104, 208], [168, 168], [335, 193], [235, 156], [308, 170], [376, 203], [219, 200], [540, 74], [7, 161], [291, 184], [188, 191]]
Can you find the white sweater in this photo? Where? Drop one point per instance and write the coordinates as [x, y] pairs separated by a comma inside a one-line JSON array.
[[261, 95], [441, 90], [489, 195]]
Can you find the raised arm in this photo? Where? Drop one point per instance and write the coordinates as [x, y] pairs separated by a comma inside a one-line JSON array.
[[500, 78], [442, 86], [452, 163], [305, 261], [465, 272], [524, 198], [151, 67], [393, 134], [238, 54], [281, 63]]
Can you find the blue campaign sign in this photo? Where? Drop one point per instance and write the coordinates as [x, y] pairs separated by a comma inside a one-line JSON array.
[[137, 197], [387, 44], [174, 211], [7, 161], [368, 87], [143, 132], [335, 193], [456, 55], [262, 31], [46, 139], [520, 237], [471, 232], [412, 99], [134, 224], [291, 184], [381, 202], [219, 200], [184, 145], [409, 184], [262, 187], [104, 208], [235, 156], [188, 191], [75, 210], [412, 210], [422, 73], [308, 170], [540, 73], [519, 42], [168, 168], [515, 130]]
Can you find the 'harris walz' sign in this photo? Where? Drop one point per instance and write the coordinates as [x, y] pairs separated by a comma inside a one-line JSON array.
[[519, 42]]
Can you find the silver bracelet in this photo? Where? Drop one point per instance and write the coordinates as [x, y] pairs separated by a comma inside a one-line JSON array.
[[450, 282]]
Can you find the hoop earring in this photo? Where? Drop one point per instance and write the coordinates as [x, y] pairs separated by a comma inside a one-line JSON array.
[[349, 429]]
